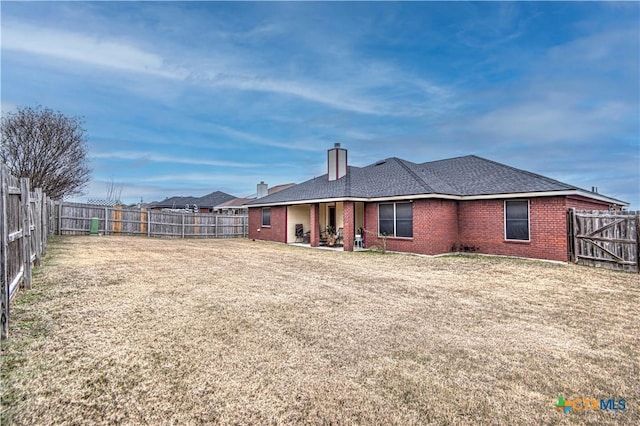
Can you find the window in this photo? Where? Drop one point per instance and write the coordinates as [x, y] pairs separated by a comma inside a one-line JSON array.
[[395, 220], [516, 220], [266, 216]]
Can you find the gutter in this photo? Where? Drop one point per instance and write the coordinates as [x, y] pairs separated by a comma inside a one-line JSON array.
[[579, 192]]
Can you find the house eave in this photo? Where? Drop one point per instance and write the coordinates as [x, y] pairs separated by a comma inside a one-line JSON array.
[[535, 194]]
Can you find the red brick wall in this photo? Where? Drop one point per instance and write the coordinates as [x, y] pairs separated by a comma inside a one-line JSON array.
[[580, 203], [349, 225], [435, 228], [441, 225], [278, 229], [314, 219], [481, 225]]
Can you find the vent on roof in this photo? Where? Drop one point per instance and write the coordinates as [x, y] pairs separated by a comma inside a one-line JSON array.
[[380, 163]]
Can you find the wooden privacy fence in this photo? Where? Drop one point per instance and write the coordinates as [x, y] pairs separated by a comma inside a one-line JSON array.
[[607, 239], [75, 219], [24, 229]]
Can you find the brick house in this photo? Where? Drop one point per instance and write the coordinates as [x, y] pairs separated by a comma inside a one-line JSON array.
[[458, 204]]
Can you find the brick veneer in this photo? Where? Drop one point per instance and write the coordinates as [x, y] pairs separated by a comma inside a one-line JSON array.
[[278, 229], [314, 223], [481, 226], [442, 226], [435, 228], [580, 203], [349, 225]]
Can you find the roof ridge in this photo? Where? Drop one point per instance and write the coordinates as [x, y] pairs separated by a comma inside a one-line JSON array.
[[414, 174], [449, 159]]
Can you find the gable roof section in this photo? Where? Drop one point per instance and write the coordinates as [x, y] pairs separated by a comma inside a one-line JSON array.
[[207, 201], [457, 177], [234, 202]]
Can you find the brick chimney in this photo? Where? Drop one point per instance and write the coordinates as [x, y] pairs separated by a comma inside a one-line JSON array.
[[336, 162]]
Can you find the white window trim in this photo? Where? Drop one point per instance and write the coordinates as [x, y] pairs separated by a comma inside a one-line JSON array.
[[395, 220], [504, 221]]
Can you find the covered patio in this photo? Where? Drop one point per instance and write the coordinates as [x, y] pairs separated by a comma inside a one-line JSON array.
[[335, 224]]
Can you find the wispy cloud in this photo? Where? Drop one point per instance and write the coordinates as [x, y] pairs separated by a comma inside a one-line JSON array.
[[260, 140], [366, 94], [157, 158], [87, 49], [190, 177], [545, 123]]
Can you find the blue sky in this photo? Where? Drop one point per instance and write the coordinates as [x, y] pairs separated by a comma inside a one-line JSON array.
[[188, 98]]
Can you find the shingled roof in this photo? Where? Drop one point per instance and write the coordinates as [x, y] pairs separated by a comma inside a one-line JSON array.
[[461, 176], [208, 201]]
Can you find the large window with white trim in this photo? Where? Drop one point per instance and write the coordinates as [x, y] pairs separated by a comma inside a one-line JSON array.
[[266, 216], [516, 220], [395, 220]]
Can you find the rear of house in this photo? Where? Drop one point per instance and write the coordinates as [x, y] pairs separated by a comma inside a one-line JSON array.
[[458, 204]]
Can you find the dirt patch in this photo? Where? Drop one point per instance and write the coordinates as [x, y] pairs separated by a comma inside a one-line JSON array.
[[152, 331]]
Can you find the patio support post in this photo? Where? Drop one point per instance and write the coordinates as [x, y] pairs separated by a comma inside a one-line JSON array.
[[349, 224], [314, 223]]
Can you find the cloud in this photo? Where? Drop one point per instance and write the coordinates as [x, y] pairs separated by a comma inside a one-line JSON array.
[[547, 123], [156, 158], [359, 86], [87, 49], [260, 140]]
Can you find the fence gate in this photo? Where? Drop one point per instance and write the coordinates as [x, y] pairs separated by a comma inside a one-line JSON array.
[[607, 239]]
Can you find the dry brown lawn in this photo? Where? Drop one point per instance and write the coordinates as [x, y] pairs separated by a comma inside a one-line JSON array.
[[151, 331]]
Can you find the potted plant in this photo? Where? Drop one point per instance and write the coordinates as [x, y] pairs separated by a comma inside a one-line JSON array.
[[331, 235]]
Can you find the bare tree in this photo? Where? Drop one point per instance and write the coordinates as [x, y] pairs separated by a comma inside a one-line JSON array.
[[383, 237], [47, 147], [114, 192]]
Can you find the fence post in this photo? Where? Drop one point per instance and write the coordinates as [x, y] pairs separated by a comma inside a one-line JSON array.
[[149, 222], [26, 231], [106, 221], [4, 315], [638, 241], [38, 225], [60, 217], [570, 253], [182, 225], [216, 228], [45, 221]]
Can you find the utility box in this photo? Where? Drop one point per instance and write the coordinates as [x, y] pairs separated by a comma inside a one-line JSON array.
[[95, 226]]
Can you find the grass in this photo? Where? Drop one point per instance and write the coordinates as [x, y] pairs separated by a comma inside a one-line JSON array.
[[150, 331]]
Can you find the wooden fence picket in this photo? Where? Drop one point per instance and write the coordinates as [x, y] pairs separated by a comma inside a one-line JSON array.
[[75, 219], [607, 239], [24, 229]]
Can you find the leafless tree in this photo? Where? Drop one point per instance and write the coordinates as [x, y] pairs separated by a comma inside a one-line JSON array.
[[383, 238], [114, 192], [47, 147]]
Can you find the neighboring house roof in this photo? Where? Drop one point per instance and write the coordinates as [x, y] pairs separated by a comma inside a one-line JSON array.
[[460, 177], [234, 203], [208, 201]]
